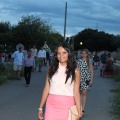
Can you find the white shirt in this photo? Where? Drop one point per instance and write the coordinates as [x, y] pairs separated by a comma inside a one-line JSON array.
[[34, 52], [57, 83], [41, 54], [44, 53], [18, 58]]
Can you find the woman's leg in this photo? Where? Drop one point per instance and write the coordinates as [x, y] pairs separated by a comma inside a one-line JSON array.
[[83, 94]]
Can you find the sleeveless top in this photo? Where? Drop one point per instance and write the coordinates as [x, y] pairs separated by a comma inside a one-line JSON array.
[[58, 85]]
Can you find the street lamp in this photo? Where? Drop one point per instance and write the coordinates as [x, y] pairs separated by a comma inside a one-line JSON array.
[[81, 43]]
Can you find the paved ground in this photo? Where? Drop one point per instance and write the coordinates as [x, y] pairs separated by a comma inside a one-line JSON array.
[[20, 103]]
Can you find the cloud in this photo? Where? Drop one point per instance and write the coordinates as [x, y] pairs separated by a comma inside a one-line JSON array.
[[101, 14]]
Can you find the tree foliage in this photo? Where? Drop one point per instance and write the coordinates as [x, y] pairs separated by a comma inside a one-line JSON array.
[[5, 33], [31, 29], [95, 40]]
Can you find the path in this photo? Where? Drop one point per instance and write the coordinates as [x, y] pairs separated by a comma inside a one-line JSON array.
[[20, 103]]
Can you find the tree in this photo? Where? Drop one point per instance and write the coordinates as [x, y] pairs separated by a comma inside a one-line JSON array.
[[54, 38], [5, 34], [31, 30], [94, 40]]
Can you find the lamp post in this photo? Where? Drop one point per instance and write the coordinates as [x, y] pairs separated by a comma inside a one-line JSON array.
[[65, 20]]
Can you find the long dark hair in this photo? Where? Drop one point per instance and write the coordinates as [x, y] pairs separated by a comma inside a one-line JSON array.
[[71, 63]]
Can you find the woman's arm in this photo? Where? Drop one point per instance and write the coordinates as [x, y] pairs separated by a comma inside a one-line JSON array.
[[91, 73], [77, 92], [45, 92], [44, 97]]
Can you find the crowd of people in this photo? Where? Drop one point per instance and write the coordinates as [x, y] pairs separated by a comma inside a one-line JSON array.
[[68, 78], [30, 60]]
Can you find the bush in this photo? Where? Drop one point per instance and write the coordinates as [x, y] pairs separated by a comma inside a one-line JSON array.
[[116, 103], [2, 68], [7, 73], [3, 79], [116, 97], [116, 76]]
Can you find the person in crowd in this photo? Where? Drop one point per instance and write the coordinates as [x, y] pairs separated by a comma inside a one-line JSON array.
[[51, 56], [29, 63], [110, 57], [86, 70], [47, 58], [2, 56], [34, 52], [9, 56], [96, 60], [36, 63], [61, 89], [18, 62], [44, 57], [109, 65], [91, 57], [78, 54], [41, 56], [103, 59]]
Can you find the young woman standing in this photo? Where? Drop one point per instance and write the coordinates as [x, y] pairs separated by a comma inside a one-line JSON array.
[[61, 89], [85, 66]]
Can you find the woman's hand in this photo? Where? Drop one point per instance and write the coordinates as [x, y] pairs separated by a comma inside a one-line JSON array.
[[40, 115], [78, 117]]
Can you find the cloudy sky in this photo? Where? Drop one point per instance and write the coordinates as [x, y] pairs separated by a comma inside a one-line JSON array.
[[101, 14]]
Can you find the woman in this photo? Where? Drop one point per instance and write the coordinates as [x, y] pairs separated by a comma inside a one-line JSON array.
[[86, 70], [109, 65], [62, 86]]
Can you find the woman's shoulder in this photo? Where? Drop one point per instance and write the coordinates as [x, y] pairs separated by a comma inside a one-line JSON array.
[[77, 70], [79, 60]]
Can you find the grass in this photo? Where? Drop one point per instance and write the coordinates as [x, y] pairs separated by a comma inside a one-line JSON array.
[[2, 79], [116, 77], [116, 103], [116, 97]]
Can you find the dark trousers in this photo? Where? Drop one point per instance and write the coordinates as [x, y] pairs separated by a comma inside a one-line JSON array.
[[27, 74]]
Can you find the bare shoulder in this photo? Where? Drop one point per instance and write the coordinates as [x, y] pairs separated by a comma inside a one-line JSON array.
[[77, 71]]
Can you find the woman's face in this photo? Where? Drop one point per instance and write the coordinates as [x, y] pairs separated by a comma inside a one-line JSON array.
[[62, 55], [84, 54]]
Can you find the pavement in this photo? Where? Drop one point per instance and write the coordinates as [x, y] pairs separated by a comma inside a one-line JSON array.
[[18, 102]]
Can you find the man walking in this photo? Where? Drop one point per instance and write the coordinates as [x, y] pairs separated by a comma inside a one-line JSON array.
[[18, 62], [29, 63]]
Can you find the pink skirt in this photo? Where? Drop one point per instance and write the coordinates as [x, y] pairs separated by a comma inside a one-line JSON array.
[[57, 107]]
